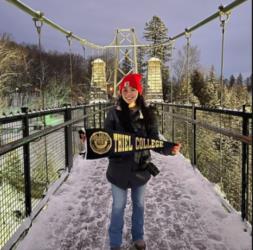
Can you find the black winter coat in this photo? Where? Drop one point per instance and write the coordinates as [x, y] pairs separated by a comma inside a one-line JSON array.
[[126, 171]]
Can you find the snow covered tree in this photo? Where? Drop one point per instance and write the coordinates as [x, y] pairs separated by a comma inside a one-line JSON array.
[[248, 83], [142, 66], [232, 81], [180, 71], [204, 90], [157, 33], [126, 64], [239, 79], [213, 88], [198, 86]]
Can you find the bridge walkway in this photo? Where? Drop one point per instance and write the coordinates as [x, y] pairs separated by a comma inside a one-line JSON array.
[[182, 212]]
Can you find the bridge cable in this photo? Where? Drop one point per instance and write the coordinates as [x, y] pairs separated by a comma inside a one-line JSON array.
[[223, 18], [84, 84], [83, 47], [170, 67], [187, 36], [38, 24], [69, 40], [83, 41]]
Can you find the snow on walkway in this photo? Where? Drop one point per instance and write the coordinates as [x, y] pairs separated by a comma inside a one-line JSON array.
[[182, 212]]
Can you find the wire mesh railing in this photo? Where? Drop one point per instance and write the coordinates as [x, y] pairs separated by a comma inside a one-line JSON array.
[[36, 151], [219, 143]]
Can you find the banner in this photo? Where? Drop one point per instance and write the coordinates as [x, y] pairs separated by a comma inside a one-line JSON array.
[[102, 143]]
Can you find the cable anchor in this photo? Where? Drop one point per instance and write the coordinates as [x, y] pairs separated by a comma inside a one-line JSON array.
[[223, 16], [69, 36], [187, 34], [38, 21]]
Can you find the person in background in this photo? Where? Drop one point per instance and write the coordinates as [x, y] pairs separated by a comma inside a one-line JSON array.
[[82, 142], [131, 171]]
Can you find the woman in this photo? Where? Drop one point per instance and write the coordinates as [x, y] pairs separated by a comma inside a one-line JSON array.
[[129, 171]]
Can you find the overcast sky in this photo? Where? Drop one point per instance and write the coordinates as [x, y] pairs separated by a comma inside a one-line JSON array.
[[97, 20]]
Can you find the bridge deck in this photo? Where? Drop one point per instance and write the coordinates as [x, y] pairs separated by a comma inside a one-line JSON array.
[[182, 212]]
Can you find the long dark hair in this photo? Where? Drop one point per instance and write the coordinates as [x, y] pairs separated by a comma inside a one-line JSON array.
[[124, 114]]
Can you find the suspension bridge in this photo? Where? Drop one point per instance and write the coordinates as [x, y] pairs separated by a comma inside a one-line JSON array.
[[38, 160]]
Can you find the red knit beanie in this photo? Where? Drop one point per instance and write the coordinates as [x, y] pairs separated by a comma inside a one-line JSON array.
[[133, 80]]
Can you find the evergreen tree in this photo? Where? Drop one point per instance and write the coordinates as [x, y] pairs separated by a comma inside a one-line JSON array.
[[226, 82], [213, 86], [142, 66], [156, 33], [181, 73], [239, 80], [236, 97], [248, 83], [231, 81], [126, 64], [198, 84], [165, 82]]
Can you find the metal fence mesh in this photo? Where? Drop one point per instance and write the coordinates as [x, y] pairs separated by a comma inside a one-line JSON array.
[[12, 205], [218, 157], [47, 162], [10, 132]]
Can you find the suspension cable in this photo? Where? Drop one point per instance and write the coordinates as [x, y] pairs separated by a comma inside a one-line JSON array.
[[38, 25], [69, 40], [223, 17], [83, 41], [84, 52], [187, 36], [170, 67]]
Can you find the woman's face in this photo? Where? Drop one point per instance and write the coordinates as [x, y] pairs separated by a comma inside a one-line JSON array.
[[129, 95]]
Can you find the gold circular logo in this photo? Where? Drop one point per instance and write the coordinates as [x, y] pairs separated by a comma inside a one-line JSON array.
[[100, 142]]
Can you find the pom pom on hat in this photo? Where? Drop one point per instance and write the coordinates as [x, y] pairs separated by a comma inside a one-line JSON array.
[[133, 80]]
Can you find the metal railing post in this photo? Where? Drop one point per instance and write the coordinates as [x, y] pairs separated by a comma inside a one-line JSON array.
[[68, 139], [172, 124], [245, 170], [94, 116], [104, 113], [100, 114], [194, 158], [26, 153], [85, 119], [162, 118]]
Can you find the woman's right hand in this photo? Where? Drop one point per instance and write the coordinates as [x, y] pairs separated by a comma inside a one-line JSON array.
[[176, 149]]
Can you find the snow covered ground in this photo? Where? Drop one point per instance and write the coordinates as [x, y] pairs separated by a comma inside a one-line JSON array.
[[182, 212]]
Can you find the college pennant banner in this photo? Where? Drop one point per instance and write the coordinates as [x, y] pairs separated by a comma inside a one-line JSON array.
[[102, 143]]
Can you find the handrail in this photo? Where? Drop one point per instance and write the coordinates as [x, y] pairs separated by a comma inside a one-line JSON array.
[[234, 135], [213, 110], [21, 142], [37, 113]]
